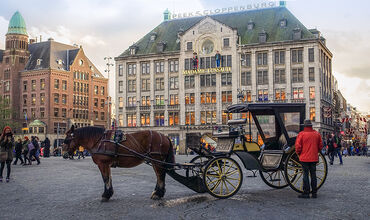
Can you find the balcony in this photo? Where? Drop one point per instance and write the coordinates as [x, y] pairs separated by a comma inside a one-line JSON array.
[[145, 108], [173, 107], [298, 100], [129, 108], [159, 107], [280, 100]]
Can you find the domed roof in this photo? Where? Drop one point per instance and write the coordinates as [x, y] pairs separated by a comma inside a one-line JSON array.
[[17, 24]]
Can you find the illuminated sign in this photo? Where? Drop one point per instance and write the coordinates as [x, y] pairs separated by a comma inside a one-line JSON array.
[[253, 6], [209, 70]]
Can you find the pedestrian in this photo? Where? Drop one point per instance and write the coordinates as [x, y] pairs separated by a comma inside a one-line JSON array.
[[26, 151], [18, 152], [337, 148], [81, 152], [6, 155], [195, 61], [308, 145], [46, 147], [33, 146], [218, 58], [330, 143]]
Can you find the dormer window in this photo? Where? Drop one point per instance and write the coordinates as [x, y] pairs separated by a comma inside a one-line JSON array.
[[60, 62], [133, 49], [250, 25], [179, 32], [160, 47], [153, 36], [81, 62], [297, 33], [262, 37], [38, 62], [283, 23]]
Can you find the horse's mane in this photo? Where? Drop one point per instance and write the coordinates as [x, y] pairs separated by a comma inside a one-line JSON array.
[[89, 132]]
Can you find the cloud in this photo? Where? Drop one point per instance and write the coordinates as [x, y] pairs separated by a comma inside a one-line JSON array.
[[3, 26]]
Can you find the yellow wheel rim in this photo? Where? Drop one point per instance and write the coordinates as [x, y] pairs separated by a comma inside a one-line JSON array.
[[223, 177]]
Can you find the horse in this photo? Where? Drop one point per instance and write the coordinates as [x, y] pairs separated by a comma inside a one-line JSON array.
[[152, 144]]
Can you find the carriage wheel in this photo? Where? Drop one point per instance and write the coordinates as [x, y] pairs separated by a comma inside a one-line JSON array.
[[202, 161], [294, 172], [275, 179], [222, 177]]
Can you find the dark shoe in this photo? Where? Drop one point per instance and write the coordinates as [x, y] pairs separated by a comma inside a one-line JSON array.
[[7, 179], [38, 163], [304, 196], [314, 195], [341, 164], [331, 163]]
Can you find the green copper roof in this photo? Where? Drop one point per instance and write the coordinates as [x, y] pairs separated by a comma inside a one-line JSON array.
[[265, 20], [37, 123], [17, 24]]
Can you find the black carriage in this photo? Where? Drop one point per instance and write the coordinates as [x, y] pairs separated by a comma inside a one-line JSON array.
[[274, 157]]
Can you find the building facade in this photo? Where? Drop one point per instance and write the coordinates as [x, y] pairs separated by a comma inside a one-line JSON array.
[[266, 55], [53, 83]]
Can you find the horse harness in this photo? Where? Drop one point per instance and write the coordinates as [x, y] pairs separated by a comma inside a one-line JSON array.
[[122, 140]]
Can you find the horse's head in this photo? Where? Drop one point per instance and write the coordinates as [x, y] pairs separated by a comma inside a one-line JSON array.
[[70, 143]]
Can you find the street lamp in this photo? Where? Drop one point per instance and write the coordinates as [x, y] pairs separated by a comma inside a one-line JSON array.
[[107, 70]]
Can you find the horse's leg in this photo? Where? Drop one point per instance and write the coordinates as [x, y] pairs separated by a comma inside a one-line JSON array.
[[107, 179], [159, 190]]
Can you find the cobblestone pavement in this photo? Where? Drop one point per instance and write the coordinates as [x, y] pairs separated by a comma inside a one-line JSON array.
[[65, 189]]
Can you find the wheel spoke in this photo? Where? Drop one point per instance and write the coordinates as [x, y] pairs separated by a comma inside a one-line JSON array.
[[219, 168], [222, 183], [215, 171], [230, 183], [227, 188], [212, 181], [215, 187], [295, 181], [231, 173], [223, 168]]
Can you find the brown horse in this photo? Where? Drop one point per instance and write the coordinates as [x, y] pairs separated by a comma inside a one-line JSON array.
[[106, 154]]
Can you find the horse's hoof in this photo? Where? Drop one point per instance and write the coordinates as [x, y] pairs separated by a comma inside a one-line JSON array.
[[155, 196], [103, 199]]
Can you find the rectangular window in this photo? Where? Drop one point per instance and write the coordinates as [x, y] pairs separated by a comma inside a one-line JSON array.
[[279, 57], [64, 99], [227, 97], [173, 65], [159, 99], [207, 97], [174, 99], [246, 60], [25, 86], [189, 98], [64, 85], [145, 119], [120, 69], [56, 112], [297, 55], [279, 76], [120, 86], [96, 102], [263, 95], [312, 113], [262, 77], [246, 79], [174, 82], [262, 59], [145, 84], [226, 42], [56, 83], [33, 85], [159, 84], [42, 112], [311, 74], [311, 55], [173, 118], [226, 79], [297, 75], [102, 90], [190, 118], [102, 103], [145, 68], [189, 46], [226, 117], [42, 84], [56, 98], [96, 90], [280, 94], [131, 120], [120, 102], [25, 100], [189, 82], [312, 92], [64, 113], [159, 119], [208, 117], [131, 85], [298, 93]]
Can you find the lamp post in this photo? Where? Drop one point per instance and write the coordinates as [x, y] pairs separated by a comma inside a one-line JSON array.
[[107, 70]]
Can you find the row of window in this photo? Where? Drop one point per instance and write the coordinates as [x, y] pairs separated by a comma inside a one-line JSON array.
[[81, 87], [80, 75], [173, 66], [208, 62], [42, 99], [33, 113], [33, 85], [173, 119], [278, 57], [225, 41]]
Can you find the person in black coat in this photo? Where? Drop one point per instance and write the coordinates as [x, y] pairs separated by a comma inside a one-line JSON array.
[[18, 152], [33, 152], [46, 147]]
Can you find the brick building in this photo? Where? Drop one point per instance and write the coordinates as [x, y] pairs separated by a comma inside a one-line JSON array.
[[49, 81]]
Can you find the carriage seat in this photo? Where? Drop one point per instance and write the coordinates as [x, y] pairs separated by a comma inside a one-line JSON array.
[[226, 134], [237, 121]]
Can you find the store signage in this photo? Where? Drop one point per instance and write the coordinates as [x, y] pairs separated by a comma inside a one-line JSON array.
[[208, 70], [252, 6]]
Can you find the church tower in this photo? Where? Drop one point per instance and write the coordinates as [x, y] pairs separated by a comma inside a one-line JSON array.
[[15, 57]]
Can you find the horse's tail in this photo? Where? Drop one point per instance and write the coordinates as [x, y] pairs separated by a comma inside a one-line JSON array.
[[170, 156]]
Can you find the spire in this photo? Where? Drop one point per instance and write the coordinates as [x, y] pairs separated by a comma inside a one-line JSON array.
[[17, 24]]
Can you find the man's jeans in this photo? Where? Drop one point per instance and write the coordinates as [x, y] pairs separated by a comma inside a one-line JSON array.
[[309, 168], [336, 151]]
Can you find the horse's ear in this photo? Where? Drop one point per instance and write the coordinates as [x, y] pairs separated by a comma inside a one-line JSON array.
[[73, 128]]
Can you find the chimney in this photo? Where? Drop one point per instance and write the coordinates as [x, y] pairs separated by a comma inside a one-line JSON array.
[[40, 38], [32, 41]]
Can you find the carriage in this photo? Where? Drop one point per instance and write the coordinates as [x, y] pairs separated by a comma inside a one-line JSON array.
[[274, 157], [219, 173]]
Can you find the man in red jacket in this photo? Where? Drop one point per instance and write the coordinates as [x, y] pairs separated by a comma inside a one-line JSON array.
[[307, 146]]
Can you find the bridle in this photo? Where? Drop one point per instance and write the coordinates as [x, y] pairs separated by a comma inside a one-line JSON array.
[[68, 141]]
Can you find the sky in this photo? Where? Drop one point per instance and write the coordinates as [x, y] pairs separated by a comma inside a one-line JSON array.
[[107, 28]]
